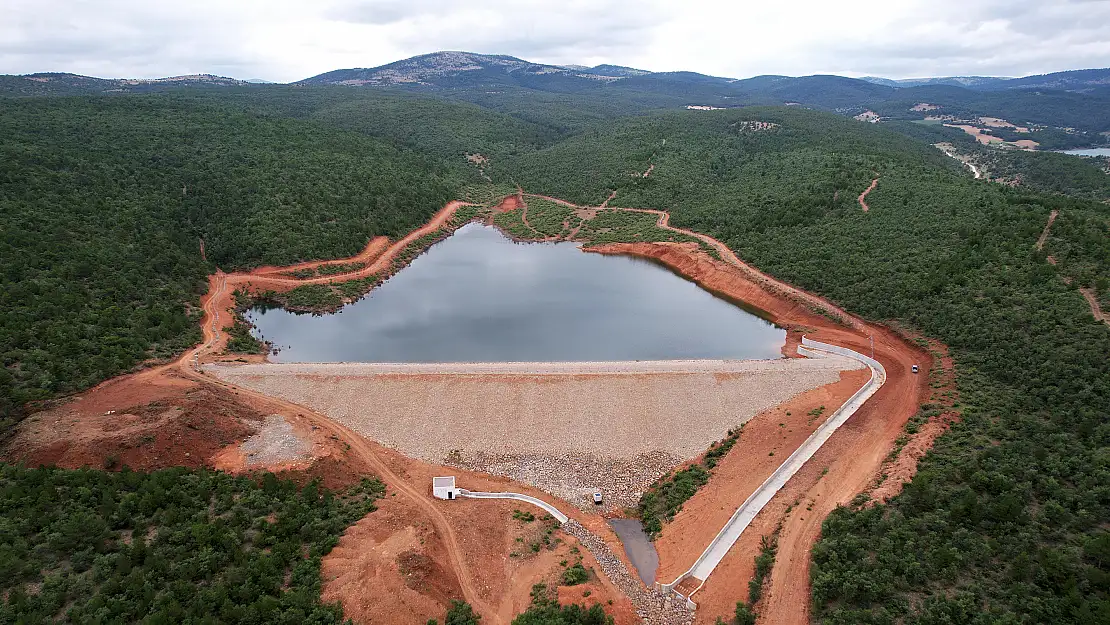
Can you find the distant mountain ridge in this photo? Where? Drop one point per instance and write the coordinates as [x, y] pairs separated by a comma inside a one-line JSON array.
[[1077, 99], [1072, 80], [61, 83], [455, 68], [970, 82]]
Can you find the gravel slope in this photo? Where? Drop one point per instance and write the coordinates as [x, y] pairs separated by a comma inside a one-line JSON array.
[[566, 428]]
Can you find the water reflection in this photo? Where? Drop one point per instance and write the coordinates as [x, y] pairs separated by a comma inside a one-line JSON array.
[[479, 297]]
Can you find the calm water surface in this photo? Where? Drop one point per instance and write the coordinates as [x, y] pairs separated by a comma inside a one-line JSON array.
[[1088, 152], [479, 297], [638, 547]]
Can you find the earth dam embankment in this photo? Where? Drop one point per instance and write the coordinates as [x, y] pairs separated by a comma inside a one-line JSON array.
[[564, 427]]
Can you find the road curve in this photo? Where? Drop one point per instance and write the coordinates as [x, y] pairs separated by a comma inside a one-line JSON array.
[[550, 509], [729, 256], [863, 196], [727, 537], [188, 366]]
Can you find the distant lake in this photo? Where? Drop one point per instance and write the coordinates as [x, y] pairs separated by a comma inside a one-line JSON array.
[[477, 296], [1088, 152]]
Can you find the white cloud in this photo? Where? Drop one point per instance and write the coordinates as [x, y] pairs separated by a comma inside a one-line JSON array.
[[291, 39]]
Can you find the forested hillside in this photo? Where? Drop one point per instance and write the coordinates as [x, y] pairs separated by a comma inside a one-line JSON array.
[[174, 546], [105, 202], [442, 128], [1006, 519], [1046, 171]]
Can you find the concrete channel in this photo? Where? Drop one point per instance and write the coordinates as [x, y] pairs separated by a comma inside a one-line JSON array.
[[550, 509], [747, 511]]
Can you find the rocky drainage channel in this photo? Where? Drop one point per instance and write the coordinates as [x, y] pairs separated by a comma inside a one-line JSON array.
[[574, 477], [654, 607]]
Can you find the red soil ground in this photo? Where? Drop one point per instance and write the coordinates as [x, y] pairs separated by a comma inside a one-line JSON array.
[[378, 255], [510, 203], [777, 431], [174, 415], [863, 196], [853, 456], [460, 549], [1047, 228], [897, 471], [369, 254]]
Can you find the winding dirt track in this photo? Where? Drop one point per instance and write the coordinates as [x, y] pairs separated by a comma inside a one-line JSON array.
[[663, 221], [217, 301], [1047, 228], [1092, 301], [374, 253], [853, 455], [863, 196], [1087, 293]]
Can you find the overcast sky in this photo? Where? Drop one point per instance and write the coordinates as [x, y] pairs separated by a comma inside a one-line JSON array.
[[286, 40]]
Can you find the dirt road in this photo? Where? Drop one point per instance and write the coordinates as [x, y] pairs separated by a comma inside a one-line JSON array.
[[1087, 293], [852, 456], [863, 196], [217, 301], [1092, 301], [1047, 227], [223, 286], [537, 422], [730, 257]]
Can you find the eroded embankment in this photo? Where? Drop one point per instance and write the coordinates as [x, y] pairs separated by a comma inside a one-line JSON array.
[[844, 467], [376, 262]]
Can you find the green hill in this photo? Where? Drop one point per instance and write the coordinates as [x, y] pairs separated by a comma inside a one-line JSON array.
[[103, 202]]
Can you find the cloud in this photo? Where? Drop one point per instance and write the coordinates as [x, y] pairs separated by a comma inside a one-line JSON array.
[[288, 40], [384, 12], [553, 32], [1012, 39]]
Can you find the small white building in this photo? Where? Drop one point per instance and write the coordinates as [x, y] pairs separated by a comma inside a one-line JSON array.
[[444, 488]]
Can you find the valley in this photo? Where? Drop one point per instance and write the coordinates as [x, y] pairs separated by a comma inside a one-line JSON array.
[[694, 249]]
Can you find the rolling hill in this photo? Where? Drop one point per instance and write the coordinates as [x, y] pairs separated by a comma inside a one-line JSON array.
[[1073, 80], [1073, 99], [51, 83], [567, 97], [107, 199]]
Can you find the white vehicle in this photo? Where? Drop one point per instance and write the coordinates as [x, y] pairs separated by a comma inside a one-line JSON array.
[[597, 497], [914, 368]]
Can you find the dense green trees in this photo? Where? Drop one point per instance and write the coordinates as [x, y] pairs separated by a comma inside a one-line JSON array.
[[174, 546], [1004, 520], [545, 610], [105, 202]]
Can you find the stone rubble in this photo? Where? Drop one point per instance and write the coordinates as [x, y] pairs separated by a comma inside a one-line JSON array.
[[275, 443], [653, 606], [573, 477]]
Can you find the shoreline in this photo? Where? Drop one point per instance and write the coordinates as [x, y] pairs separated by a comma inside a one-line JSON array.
[[616, 367]]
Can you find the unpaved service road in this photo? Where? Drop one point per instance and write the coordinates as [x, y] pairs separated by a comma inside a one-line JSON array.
[[564, 427]]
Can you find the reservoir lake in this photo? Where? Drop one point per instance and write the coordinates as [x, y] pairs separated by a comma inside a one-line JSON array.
[[478, 296]]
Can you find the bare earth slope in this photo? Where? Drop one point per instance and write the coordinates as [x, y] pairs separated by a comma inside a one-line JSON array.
[[165, 416]]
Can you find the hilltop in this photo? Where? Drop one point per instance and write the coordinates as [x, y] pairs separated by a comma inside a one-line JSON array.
[[1075, 102]]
